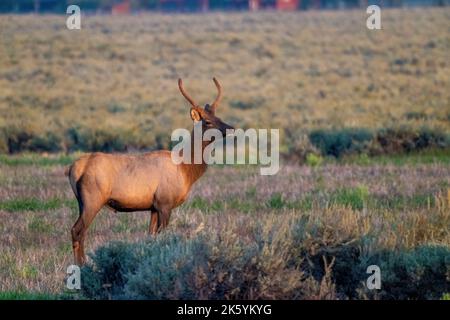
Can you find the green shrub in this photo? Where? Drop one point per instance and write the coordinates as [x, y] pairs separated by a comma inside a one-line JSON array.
[[348, 268], [204, 267], [49, 142], [298, 145], [87, 139], [338, 142], [107, 141], [168, 270], [17, 138], [156, 269], [398, 140], [420, 273], [268, 263], [106, 276], [313, 160]]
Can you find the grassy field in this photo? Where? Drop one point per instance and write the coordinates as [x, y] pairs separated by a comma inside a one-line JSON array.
[[296, 71], [373, 189], [368, 208]]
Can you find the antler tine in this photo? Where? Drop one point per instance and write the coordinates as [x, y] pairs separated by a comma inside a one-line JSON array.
[[219, 94], [184, 93]]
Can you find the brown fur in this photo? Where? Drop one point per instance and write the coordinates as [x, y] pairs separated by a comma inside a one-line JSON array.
[[126, 182]]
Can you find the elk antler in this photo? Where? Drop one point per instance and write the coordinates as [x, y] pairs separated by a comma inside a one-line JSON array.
[[184, 93], [219, 95]]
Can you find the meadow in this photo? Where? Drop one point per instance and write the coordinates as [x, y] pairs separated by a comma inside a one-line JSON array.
[[365, 138], [295, 71], [252, 236]]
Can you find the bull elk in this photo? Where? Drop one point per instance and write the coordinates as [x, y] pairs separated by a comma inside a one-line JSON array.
[[137, 182]]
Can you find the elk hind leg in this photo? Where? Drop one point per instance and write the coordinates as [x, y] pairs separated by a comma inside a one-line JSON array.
[[90, 206], [76, 231]]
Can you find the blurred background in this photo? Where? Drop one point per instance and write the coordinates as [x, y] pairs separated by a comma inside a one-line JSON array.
[[333, 87], [127, 6]]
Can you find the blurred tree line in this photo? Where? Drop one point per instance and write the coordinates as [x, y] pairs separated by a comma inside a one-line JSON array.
[[58, 6]]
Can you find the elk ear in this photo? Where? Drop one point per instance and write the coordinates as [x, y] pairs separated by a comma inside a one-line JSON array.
[[195, 115]]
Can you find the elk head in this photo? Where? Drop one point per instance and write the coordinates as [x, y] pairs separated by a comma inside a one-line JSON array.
[[206, 115]]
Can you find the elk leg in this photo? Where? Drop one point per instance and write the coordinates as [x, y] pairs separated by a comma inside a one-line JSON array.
[[89, 209], [75, 231], [155, 223], [88, 216], [164, 216]]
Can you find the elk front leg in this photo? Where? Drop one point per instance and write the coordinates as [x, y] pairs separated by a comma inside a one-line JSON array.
[[164, 216], [154, 223], [159, 219]]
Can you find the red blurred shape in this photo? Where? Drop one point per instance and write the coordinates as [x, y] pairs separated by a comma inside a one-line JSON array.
[[254, 5], [121, 8], [287, 5]]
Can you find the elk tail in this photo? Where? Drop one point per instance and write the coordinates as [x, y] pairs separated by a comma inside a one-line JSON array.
[[67, 171]]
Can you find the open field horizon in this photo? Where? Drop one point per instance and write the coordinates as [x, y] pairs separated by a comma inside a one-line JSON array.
[[294, 71]]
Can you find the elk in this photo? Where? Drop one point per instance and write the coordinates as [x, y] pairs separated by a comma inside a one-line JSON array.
[[138, 182]]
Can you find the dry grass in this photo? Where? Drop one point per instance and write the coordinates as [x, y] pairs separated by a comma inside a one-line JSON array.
[[402, 207], [305, 69]]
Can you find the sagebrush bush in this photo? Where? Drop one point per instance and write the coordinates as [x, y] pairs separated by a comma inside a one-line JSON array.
[[338, 142], [173, 267], [49, 142], [151, 270], [17, 139], [300, 259], [297, 145], [88, 139], [419, 273], [402, 139]]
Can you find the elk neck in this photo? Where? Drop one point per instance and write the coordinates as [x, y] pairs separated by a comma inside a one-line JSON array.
[[193, 171]]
